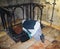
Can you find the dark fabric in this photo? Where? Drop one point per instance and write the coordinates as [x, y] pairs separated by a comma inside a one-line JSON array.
[[29, 24], [42, 38], [23, 36]]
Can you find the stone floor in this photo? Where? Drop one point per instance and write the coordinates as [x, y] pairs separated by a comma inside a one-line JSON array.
[[50, 34]]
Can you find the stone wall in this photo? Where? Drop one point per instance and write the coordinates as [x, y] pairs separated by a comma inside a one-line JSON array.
[[47, 14]]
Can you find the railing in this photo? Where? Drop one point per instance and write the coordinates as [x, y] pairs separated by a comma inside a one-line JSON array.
[[7, 13]]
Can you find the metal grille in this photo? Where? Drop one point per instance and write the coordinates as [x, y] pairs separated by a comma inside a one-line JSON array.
[[28, 13]]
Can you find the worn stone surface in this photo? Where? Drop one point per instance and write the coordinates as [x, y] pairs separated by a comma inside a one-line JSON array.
[[24, 45], [54, 45], [50, 35], [6, 42]]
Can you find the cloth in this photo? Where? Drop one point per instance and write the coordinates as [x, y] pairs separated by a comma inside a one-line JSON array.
[[35, 28], [29, 24]]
